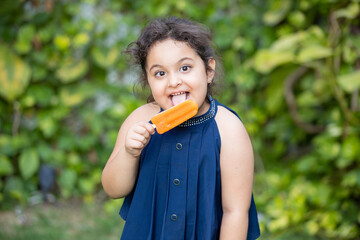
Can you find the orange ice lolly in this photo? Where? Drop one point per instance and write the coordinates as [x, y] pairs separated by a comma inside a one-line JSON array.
[[174, 116]]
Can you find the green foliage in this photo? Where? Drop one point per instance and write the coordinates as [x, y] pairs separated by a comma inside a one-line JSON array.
[[291, 72], [14, 74]]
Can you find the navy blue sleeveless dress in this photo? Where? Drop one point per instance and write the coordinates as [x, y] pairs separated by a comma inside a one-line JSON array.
[[178, 191]]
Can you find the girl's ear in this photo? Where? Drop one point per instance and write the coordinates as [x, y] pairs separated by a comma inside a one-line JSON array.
[[211, 71]]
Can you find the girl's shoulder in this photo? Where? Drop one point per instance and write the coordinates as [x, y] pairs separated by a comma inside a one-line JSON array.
[[229, 124]]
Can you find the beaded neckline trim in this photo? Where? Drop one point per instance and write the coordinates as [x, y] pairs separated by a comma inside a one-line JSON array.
[[203, 118]]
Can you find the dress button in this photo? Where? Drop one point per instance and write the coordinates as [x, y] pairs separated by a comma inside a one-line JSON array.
[[176, 182], [173, 217], [178, 146]]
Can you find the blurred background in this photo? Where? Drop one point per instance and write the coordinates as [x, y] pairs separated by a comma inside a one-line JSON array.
[[291, 71]]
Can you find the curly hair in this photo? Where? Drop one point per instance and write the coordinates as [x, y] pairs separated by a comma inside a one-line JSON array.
[[178, 29]]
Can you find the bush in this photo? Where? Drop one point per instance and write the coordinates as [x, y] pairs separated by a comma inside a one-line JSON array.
[[292, 71]]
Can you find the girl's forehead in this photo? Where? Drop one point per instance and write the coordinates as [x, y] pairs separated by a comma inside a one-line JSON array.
[[169, 43], [169, 48]]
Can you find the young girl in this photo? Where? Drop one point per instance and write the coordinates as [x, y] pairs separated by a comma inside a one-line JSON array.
[[194, 181]]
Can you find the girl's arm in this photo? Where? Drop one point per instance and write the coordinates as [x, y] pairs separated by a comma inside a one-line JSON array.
[[237, 170], [120, 172]]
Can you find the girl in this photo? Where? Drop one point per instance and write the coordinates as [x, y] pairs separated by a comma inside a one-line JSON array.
[[194, 181]]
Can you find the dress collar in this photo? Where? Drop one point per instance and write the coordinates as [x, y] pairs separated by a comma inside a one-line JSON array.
[[203, 118]]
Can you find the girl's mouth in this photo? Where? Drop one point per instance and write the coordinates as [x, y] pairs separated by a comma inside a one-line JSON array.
[[179, 97]]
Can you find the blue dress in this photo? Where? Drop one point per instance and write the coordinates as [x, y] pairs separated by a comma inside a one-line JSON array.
[[178, 190]]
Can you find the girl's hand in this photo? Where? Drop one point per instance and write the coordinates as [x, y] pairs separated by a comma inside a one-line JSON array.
[[138, 137]]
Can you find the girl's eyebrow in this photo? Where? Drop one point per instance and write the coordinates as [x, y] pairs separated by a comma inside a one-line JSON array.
[[181, 60], [185, 58]]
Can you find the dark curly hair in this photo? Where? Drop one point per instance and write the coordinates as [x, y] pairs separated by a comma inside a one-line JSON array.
[[178, 29]]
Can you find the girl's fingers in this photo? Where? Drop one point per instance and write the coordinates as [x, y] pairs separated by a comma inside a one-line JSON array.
[[149, 128], [138, 137], [145, 128]]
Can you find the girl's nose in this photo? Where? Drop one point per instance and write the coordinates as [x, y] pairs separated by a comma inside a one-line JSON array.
[[174, 81]]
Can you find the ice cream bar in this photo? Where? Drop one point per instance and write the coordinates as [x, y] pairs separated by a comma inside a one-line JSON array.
[[174, 116]]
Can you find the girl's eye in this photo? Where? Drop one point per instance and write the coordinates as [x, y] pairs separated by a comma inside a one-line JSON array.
[[160, 74], [185, 68]]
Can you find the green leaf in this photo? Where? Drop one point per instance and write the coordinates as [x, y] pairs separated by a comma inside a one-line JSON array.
[[87, 185], [289, 42], [266, 60], [11, 145], [351, 179], [343, 162], [277, 12], [62, 42], [350, 82], [326, 147], [67, 181], [47, 125], [14, 186], [349, 12], [81, 39], [71, 70], [275, 91], [306, 164], [38, 73], [105, 58], [297, 19], [41, 94], [5, 145], [14, 75], [29, 162], [45, 151], [24, 39], [350, 147], [313, 52], [72, 96], [307, 99], [5, 166]]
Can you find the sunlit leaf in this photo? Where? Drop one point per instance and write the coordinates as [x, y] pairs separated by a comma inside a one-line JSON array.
[[87, 185], [5, 166], [81, 39], [29, 162], [313, 52], [265, 61], [24, 39], [327, 148], [312, 227], [350, 82], [277, 12], [47, 125], [62, 42], [14, 186], [67, 181], [71, 96], [72, 70], [350, 12], [280, 223], [297, 19], [351, 179], [306, 164], [289, 42], [105, 57], [350, 147], [307, 99], [14, 75]]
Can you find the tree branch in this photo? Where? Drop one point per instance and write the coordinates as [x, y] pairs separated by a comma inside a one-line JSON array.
[[291, 101]]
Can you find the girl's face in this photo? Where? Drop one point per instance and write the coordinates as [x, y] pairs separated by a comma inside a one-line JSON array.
[[175, 73]]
